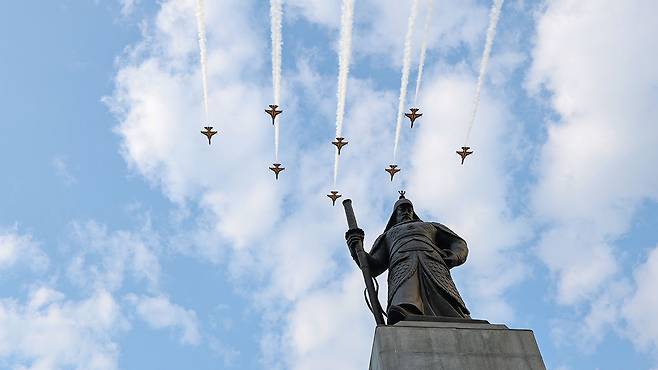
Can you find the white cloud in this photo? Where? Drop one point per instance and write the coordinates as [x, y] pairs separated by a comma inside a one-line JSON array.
[[586, 328], [104, 258], [642, 304], [318, 325], [159, 312], [128, 6], [17, 249], [326, 13], [624, 308], [51, 332], [592, 58], [380, 25], [62, 171]]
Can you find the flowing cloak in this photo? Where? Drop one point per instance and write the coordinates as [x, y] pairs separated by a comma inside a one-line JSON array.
[[419, 256]]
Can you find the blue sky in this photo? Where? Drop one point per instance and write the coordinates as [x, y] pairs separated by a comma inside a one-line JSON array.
[[126, 242]]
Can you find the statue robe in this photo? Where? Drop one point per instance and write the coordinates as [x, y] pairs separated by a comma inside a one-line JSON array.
[[419, 256]]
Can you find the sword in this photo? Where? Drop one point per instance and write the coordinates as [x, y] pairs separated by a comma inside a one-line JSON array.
[[363, 265]]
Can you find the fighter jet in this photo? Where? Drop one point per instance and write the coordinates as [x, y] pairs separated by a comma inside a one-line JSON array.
[[464, 152], [333, 196], [339, 143], [209, 133], [276, 169], [392, 170], [413, 115], [273, 112]]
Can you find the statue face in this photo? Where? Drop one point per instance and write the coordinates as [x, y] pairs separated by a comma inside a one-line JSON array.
[[404, 212]]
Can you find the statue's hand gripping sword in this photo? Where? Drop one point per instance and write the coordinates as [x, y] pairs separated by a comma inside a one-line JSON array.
[[362, 259]]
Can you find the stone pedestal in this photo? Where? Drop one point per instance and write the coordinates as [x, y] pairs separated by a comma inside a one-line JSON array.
[[412, 345]]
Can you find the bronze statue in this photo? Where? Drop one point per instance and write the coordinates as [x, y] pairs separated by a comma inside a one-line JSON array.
[[419, 256]]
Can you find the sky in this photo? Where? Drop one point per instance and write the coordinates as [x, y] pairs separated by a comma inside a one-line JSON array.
[[127, 242]]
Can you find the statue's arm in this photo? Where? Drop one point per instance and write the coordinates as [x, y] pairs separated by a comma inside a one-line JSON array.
[[458, 253], [378, 256], [454, 247]]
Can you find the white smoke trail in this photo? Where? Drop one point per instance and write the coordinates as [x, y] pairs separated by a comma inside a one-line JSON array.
[[423, 48], [276, 16], [494, 15], [201, 26], [344, 54], [406, 65]]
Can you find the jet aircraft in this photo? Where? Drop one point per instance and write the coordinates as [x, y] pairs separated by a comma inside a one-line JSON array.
[[273, 112], [277, 169], [209, 133], [464, 152], [339, 143], [413, 115], [333, 196], [392, 170]]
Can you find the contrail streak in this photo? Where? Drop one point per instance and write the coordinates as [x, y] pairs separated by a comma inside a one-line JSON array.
[[201, 26], [276, 15], [494, 15], [406, 64], [423, 48], [345, 51]]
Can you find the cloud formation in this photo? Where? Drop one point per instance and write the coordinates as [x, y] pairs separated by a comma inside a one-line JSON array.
[[642, 304], [20, 250], [50, 332], [159, 313], [591, 178], [53, 329], [596, 170]]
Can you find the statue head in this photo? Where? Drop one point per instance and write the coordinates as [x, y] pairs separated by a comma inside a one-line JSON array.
[[403, 211]]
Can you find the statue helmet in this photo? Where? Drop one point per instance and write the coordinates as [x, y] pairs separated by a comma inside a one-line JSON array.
[[392, 221]]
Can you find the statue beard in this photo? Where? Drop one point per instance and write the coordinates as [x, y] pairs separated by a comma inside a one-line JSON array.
[[405, 217]]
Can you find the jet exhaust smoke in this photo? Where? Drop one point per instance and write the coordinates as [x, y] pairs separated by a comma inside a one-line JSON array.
[[423, 48], [406, 64], [494, 15], [345, 51], [276, 16], [201, 27]]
